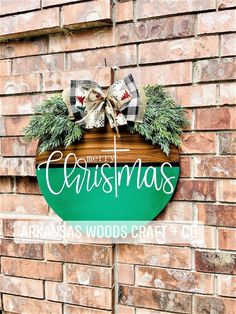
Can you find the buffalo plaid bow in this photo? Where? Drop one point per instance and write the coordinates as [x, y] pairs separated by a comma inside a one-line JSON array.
[[90, 104]]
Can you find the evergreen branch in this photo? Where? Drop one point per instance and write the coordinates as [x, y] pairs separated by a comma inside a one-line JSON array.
[[163, 121], [52, 126]]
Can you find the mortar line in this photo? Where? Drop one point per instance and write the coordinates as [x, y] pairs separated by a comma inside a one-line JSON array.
[[115, 274]]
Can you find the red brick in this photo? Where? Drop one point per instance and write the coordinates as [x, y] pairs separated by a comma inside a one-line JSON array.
[[226, 285], [218, 215], [185, 167], [20, 104], [59, 80], [227, 94], [217, 22], [1, 235], [145, 311], [81, 15], [32, 23], [2, 127], [26, 250], [16, 146], [21, 286], [179, 236], [203, 304], [227, 143], [189, 116], [148, 8], [155, 299], [216, 119], [81, 253], [215, 70], [46, 63], [18, 84], [215, 167], [176, 211], [126, 274], [215, 262], [71, 309], [18, 203], [175, 280], [89, 275], [198, 143], [194, 95], [8, 227], [224, 4], [24, 47], [124, 11], [209, 238], [164, 74], [5, 67], [15, 125], [31, 269], [227, 239], [180, 49], [81, 295], [10, 6], [48, 3], [228, 45], [171, 27], [227, 190], [116, 56], [123, 309], [18, 304], [17, 166], [10, 224], [86, 39], [6, 185], [27, 185], [154, 255], [196, 190]]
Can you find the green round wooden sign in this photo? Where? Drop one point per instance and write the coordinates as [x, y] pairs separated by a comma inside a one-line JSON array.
[[108, 178]]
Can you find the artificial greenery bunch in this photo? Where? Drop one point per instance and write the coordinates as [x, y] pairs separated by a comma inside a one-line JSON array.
[[51, 125], [162, 125], [163, 120]]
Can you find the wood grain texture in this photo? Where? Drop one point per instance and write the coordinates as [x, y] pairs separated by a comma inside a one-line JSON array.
[[96, 140]]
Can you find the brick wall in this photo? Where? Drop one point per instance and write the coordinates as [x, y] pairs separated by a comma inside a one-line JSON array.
[[188, 46]]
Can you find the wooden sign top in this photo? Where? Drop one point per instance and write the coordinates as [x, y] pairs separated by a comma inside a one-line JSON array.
[[98, 144]]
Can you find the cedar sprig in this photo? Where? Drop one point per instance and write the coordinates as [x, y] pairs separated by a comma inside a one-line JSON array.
[[163, 121], [51, 125]]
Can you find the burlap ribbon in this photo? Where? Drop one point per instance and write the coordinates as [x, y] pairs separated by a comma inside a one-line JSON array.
[[88, 104]]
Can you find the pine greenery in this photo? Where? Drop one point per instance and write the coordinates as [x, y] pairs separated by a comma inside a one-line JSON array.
[[163, 121], [52, 126]]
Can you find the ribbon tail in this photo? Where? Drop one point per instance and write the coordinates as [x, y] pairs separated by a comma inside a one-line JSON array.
[[83, 120], [111, 117]]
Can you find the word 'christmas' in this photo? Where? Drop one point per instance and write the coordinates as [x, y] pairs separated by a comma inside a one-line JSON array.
[[79, 175]]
